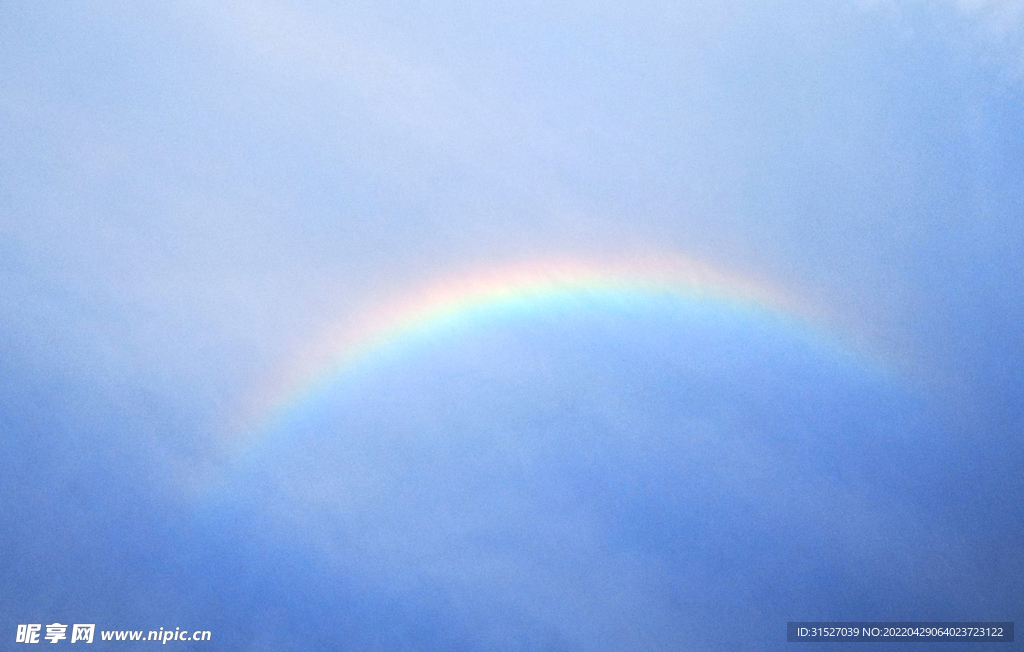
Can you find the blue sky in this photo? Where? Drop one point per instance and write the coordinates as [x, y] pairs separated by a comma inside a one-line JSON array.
[[192, 193]]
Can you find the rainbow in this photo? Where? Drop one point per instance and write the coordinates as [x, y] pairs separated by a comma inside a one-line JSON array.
[[465, 299]]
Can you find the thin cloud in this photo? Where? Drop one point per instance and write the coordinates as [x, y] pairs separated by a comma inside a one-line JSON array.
[[1001, 16]]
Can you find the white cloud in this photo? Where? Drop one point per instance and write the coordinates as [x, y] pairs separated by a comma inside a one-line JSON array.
[[1001, 16], [992, 29], [998, 25]]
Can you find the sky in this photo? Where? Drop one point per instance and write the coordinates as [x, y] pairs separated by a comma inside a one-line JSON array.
[[534, 326]]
